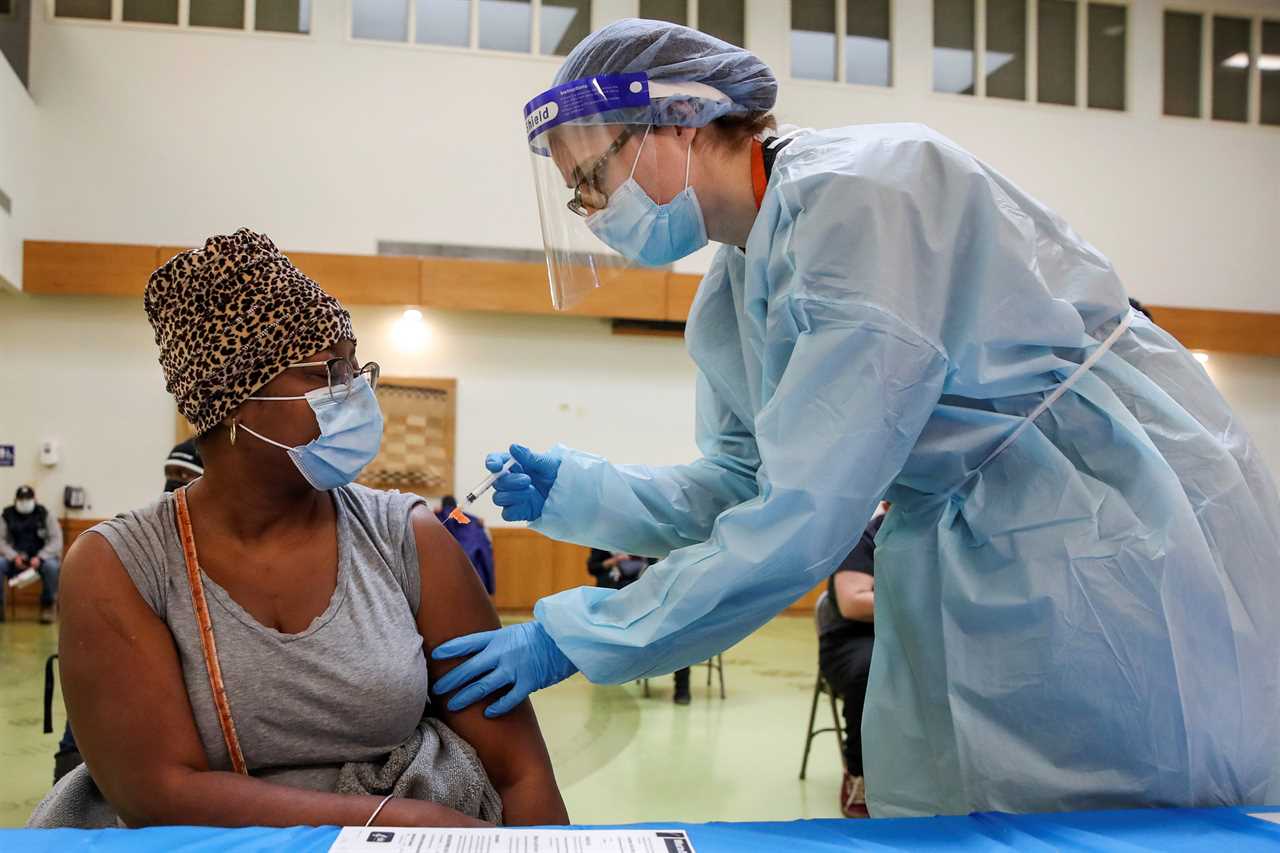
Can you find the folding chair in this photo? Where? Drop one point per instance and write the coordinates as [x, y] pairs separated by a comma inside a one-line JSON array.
[[820, 687]]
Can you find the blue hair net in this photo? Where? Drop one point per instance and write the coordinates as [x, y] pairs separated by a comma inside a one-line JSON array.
[[671, 53]]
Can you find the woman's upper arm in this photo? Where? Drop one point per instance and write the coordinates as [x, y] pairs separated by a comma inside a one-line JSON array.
[[454, 603], [122, 683]]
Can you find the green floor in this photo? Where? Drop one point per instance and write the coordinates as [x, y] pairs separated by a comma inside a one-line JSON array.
[[619, 757]]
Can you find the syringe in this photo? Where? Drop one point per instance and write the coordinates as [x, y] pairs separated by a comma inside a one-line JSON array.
[[472, 496]]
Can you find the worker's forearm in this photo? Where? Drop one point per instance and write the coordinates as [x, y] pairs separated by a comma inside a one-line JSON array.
[[212, 798]]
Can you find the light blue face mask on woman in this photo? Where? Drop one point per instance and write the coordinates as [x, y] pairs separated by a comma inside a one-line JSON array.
[[641, 230], [350, 435]]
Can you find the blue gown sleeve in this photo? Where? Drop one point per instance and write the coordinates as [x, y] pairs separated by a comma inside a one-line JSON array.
[[855, 387], [652, 511]]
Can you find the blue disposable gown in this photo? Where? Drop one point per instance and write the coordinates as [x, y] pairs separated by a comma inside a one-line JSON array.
[[1089, 620]]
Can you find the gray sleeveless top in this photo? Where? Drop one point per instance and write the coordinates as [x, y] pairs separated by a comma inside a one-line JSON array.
[[350, 688]]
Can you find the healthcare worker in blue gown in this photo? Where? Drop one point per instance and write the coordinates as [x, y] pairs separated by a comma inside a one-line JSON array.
[[1078, 586]]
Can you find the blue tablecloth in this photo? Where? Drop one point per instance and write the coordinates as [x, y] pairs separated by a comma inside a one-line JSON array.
[[1165, 831]]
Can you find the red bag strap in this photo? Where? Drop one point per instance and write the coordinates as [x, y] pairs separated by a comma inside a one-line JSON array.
[[207, 642]]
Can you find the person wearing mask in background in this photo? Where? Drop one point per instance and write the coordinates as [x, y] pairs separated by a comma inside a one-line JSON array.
[[473, 539], [181, 466], [846, 634], [616, 570], [1076, 586], [31, 549]]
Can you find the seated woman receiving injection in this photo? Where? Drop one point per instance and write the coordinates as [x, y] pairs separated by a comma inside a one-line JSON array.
[[254, 649]]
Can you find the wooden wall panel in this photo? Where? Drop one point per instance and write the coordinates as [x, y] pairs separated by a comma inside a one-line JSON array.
[[103, 269], [680, 292], [73, 527], [353, 279], [521, 288], [466, 285], [108, 269], [1221, 331], [529, 566], [523, 568], [362, 279], [166, 253]]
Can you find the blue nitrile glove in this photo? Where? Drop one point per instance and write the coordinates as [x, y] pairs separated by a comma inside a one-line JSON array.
[[523, 490], [522, 655]]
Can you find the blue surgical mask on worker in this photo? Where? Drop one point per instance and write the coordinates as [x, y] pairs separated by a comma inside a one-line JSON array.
[[350, 435], [641, 230]]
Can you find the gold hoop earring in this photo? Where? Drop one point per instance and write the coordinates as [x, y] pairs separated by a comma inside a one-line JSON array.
[[233, 432]]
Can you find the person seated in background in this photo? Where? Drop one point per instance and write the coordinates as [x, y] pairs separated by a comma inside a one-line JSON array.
[[844, 653], [30, 549], [473, 538], [324, 597], [181, 466], [615, 570]]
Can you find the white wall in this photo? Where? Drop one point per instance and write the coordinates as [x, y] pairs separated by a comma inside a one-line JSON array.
[[17, 168], [83, 371], [150, 135]]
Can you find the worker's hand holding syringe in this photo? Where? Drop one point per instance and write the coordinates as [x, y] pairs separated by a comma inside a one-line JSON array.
[[480, 488], [521, 481]]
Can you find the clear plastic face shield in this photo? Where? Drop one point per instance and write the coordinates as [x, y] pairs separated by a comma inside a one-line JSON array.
[[587, 139]]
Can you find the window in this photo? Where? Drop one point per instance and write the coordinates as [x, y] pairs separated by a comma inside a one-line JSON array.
[[224, 14], [1006, 53], [97, 9], [813, 39], [564, 23], [1183, 34], [983, 48], [283, 16], [724, 19], [1107, 25], [506, 25], [1056, 52], [382, 20], [672, 11], [953, 46], [6, 7], [442, 22], [1227, 43], [277, 16], [1269, 66], [867, 43], [151, 11], [861, 55], [1231, 63]]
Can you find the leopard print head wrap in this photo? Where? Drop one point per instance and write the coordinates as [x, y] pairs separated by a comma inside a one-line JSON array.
[[229, 317]]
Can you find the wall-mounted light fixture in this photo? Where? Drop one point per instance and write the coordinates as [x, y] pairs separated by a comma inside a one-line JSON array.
[[410, 333]]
